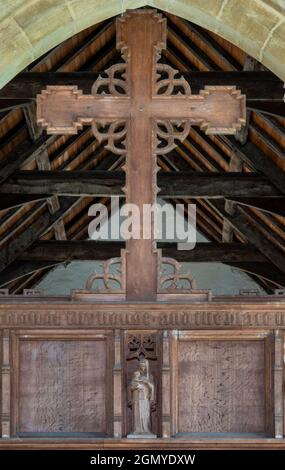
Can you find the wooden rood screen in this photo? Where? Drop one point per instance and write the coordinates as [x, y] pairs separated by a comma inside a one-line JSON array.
[[215, 363], [217, 368]]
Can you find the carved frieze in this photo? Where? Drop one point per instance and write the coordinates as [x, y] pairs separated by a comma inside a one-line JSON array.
[[122, 318]]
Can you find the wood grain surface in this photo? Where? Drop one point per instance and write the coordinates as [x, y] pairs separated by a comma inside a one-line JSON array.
[[62, 386], [221, 386]]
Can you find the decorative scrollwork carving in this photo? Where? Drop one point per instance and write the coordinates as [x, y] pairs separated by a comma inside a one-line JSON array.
[[172, 281], [114, 133], [141, 345], [110, 278], [113, 81], [134, 344], [167, 83], [149, 346], [168, 133]]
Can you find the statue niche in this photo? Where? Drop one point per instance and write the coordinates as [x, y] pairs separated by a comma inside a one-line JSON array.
[[142, 402], [142, 382]]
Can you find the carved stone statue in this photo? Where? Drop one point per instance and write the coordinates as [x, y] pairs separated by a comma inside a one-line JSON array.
[[142, 400]]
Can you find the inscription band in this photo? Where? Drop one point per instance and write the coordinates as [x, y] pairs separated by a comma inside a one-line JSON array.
[[138, 319]]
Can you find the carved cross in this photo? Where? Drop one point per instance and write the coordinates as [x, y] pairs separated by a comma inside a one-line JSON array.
[[144, 109]]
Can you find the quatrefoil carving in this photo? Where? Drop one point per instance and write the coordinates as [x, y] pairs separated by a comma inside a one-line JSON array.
[[113, 81], [167, 82], [168, 133], [112, 132]]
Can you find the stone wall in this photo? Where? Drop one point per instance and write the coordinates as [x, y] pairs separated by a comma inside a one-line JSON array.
[[29, 28]]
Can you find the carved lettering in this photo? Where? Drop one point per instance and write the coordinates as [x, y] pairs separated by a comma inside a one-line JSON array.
[[160, 319]]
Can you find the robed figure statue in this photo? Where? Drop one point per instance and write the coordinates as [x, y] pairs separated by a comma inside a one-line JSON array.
[[142, 400]]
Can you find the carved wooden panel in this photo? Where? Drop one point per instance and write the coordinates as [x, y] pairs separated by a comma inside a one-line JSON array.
[[206, 381], [222, 381], [62, 384], [138, 345], [235, 312]]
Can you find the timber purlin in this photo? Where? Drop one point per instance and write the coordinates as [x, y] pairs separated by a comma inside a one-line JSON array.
[[49, 253], [171, 184], [60, 251], [257, 85]]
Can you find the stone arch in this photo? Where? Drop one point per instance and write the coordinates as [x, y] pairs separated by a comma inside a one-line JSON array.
[[29, 28]]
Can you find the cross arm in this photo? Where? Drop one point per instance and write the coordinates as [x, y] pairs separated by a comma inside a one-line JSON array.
[[64, 109], [217, 109]]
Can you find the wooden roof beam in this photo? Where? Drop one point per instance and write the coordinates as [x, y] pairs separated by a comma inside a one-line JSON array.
[[9, 201], [264, 270], [240, 222], [256, 85], [24, 153], [236, 165], [257, 160], [20, 269], [171, 184], [272, 205], [22, 242], [61, 251], [46, 254]]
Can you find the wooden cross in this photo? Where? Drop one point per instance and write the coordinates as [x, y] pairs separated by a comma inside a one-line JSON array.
[[144, 109]]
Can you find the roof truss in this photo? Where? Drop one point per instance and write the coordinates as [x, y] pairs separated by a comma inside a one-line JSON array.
[[263, 152]]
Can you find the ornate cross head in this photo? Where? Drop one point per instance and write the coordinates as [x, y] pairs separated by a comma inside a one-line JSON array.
[[141, 108]]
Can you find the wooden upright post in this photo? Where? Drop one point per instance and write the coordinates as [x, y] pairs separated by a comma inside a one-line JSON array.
[[6, 385], [117, 385], [278, 385], [142, 33], [166, 396]]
